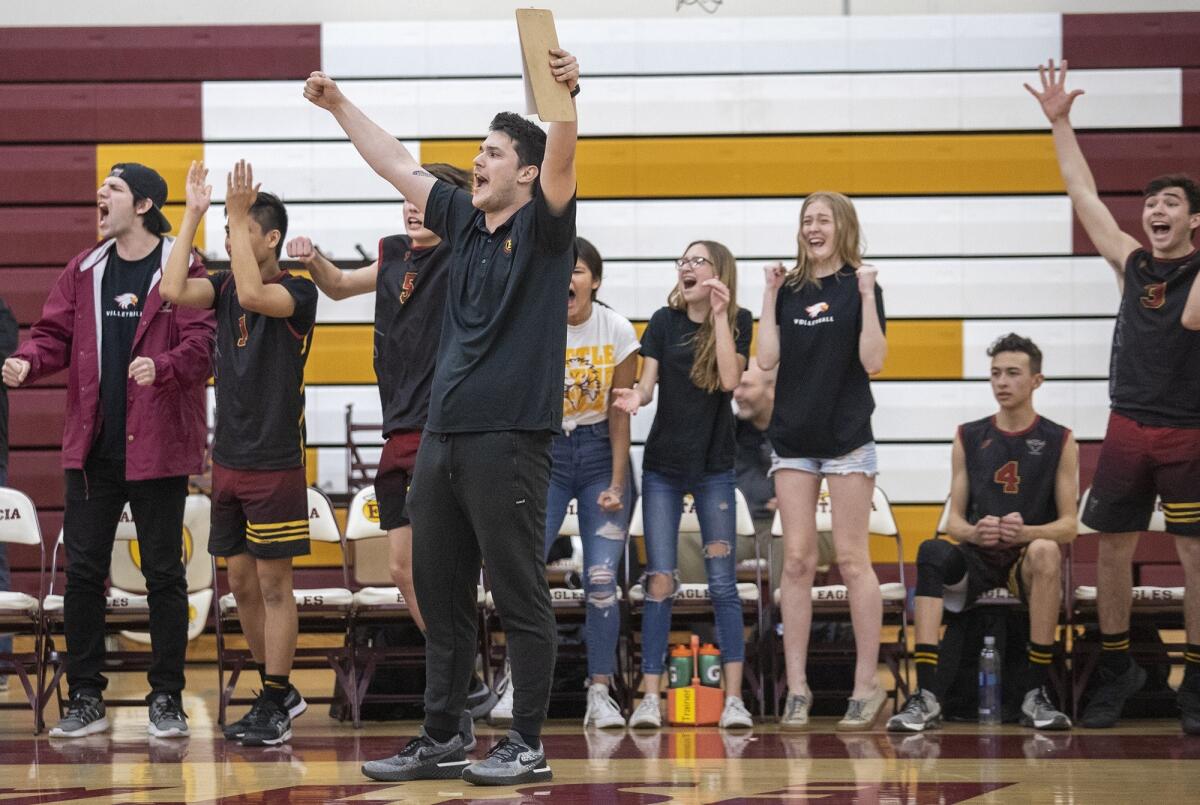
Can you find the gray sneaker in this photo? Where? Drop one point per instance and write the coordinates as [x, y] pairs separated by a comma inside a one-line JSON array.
[[480, 699], [167, 719], [510, 762], [1039, 713], [85, 716], [921, 712], [466, 731], [422, 758]]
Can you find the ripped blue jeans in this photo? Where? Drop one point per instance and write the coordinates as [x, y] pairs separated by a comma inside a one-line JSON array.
[[581, 468], [662, 504]]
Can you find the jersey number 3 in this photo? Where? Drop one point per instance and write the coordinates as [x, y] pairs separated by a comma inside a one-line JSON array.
[[1156, 295], [1009, 477], [245, 335]]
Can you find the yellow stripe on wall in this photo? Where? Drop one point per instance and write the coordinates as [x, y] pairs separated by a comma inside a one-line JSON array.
[[341, 353], [171, 160], [874, 164]]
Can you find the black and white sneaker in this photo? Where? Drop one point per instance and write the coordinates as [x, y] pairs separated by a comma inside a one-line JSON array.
[[510, 762], [1039, 712], [921, 712], [422, 758], [167, 719], [271, 726], [294, 704], [85, 716]]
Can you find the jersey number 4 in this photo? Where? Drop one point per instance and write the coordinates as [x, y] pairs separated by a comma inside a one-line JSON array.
[[1009, 477]]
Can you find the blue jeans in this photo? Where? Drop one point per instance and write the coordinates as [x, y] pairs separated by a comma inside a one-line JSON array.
[[581, 468], [716, 509]]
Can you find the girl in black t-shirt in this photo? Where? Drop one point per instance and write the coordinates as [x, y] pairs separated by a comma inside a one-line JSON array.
[[823, 325], [695, 349]]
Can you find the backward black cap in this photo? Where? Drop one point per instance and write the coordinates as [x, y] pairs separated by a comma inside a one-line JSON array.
[[145, 182]]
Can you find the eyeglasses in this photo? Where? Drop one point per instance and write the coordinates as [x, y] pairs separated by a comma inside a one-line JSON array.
[[693, 262]]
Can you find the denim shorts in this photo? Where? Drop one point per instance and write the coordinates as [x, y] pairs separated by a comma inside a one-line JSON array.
[[861, 459]]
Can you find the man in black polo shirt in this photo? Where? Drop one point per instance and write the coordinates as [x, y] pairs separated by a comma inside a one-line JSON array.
[[483, 470]]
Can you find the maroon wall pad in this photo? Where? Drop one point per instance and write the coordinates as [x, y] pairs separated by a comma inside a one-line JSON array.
[[1132, 40], [60, 174], [100, 113], [45, 236], [1128, 212], [26, 290], [39, 474], [1124, 163], [35, 417]]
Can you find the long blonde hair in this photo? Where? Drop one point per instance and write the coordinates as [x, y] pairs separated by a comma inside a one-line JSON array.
[[704, 343], [848, 241]]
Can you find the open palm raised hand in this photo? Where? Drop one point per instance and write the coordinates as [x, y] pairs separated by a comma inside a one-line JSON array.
[[1055, 100]]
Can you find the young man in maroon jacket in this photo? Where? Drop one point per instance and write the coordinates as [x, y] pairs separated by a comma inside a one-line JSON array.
[[135, 429]]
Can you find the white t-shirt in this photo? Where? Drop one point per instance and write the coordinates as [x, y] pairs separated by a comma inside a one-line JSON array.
[[594, 349]]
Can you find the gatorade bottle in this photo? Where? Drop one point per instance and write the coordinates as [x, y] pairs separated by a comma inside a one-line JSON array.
[[710, 666], [679, 672]]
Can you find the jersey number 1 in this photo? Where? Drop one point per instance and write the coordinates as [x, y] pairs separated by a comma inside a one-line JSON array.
[[1008, 476], [245, 336]]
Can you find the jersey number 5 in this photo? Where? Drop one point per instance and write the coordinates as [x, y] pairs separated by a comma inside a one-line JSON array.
[[1009, 477], [410, 278], [245, 335]]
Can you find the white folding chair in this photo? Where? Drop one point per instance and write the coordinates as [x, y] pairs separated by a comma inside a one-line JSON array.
[[21, 614]]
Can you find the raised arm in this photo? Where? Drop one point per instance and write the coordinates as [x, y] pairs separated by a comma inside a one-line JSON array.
[[768, 328], [872, 344], [1098, 221], [386, 155], [334, 282], [730, 365], [253, 294], [175, 286], [558, 165]]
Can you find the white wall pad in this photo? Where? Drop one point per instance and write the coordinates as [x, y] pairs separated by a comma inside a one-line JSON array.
[[754, 229], [356, 309], [976, 287], [328, 171], [1070, 348], [699, 45], [325, 413], [691, 104], [912, 411], [915, 473]]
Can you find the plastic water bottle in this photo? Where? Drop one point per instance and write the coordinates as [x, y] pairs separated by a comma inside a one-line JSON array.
[[989, 683]]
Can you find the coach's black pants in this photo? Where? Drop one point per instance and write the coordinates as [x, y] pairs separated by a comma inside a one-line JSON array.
[[96, 496], [473, 496]]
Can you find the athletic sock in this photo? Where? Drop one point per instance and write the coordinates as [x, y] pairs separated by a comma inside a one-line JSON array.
[[1039, 665], [1191, 667], [275, 688], [532, 739], [926, 658], [1114, 652], [441, 736]]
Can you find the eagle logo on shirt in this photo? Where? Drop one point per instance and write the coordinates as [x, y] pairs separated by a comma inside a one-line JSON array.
[[126, 301], [582, 383], [1036, 446], [816, 310]]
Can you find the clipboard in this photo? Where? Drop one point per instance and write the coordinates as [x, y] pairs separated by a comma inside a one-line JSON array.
[[550, 100]]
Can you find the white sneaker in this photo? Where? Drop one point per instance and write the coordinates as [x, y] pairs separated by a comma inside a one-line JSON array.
[[602, 711], [735, 715], [502, 713], [648, 714]]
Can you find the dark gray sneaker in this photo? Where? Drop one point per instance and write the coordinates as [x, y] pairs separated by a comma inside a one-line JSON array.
[[467, 731], [167, 719], [1039, 712], [480, 699], [921, 712], [294, 704], [271, 726], [510, 762], [422, 758], [1108, 697], [85, 716]]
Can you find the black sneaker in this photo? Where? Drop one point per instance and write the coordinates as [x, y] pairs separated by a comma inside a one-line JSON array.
[[271, 726], [167, 719], [294, 704], [510, 762], [422, 758], [1109, 695], [1189, 710], [85, 716]]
